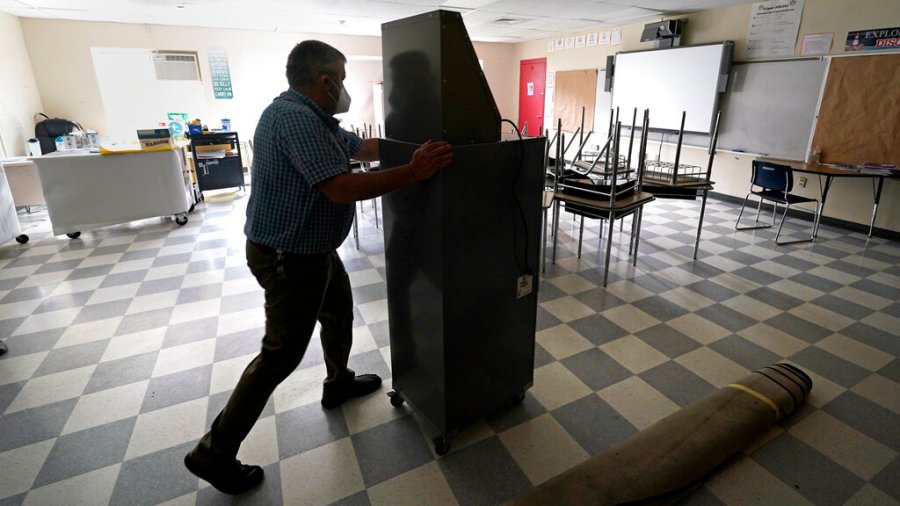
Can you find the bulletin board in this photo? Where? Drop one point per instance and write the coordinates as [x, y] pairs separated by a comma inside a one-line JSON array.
[[858, 120], [575, 90]]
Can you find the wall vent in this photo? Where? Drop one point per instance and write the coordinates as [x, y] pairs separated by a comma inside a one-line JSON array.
[[176, 65]]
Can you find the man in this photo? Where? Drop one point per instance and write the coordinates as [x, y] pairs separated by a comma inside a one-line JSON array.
[[299, 212]]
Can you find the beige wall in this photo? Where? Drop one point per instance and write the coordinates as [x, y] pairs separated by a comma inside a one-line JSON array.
[[848, 199], [64, 72], [19, 98], [69, 89]]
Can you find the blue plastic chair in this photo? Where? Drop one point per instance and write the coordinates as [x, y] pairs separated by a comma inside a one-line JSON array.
[[773, 182]]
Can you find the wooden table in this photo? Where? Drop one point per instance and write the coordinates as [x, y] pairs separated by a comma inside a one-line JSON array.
[[829, 172]]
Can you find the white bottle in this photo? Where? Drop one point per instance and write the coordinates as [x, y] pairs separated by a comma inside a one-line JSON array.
[[60, 143], [34, 148]]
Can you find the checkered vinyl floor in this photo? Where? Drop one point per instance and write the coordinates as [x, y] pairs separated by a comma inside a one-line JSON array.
[[126, 342]]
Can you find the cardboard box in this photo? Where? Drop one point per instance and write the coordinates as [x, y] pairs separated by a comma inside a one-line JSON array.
[[155, 138]]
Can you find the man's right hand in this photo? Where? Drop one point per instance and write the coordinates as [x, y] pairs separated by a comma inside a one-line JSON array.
[[430, 158]]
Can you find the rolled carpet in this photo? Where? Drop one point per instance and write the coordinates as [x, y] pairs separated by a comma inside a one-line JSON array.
[[680, 449]]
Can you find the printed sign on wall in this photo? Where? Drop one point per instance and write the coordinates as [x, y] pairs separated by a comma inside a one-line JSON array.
[[773, 28], [221, 76], [879, 38]]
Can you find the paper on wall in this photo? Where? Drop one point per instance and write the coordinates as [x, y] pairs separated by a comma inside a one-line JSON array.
[[773, 28]]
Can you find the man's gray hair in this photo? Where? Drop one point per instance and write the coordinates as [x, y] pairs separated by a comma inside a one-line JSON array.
[[310, 59]]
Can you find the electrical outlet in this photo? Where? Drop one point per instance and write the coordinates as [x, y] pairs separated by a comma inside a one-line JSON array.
[[802, 182], [524, 285]]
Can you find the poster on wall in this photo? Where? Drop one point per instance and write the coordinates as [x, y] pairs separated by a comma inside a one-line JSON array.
[[817, 43], [879, 38], [570, 42], [219, 73], [604, 37], [592, 39], [558, 44], [615, 37], [579, 40], [773, 28], [550, 45]]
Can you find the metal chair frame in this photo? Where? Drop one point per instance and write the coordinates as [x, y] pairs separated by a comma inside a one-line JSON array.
[[776, 182]]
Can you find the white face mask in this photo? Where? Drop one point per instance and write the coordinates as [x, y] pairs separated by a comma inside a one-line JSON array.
[[342, 103]]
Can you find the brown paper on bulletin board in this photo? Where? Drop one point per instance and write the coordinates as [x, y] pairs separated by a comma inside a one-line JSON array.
[[575, 89], [860, 113]]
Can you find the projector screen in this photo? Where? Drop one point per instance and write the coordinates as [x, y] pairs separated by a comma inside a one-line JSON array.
[[669, 81]]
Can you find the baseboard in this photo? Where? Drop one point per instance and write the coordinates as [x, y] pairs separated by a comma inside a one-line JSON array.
[[826, 220]]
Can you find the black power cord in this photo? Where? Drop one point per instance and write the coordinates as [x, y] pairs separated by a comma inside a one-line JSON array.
[[523, 268]]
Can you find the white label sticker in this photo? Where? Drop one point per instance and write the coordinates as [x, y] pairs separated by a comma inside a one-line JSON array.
[[523, 286], [530, 89]]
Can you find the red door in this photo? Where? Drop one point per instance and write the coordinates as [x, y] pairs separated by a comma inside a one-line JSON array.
[[532, 76]]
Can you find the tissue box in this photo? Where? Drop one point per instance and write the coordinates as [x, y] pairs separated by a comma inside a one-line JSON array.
[[155, 138]]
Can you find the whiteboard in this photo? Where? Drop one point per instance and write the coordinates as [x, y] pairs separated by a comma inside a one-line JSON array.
[[601, 110], [769, 108], [669, 81]]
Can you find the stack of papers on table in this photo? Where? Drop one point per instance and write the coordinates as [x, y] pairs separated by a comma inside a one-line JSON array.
[[210, 154]]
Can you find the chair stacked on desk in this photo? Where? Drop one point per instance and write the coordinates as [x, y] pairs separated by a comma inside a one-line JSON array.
[[608, 191], [608, 175], [676, 180]]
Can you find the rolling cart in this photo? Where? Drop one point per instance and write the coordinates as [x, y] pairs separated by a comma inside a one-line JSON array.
[[9, 220], [217, 161], [85, 190]]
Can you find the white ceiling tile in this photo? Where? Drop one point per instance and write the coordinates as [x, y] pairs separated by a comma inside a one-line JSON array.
[[364, 17]]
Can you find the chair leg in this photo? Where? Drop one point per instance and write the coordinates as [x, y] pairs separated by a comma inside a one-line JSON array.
[[737, 223], [554, 229], [636, 233], [580, 236], [812, 237], [375, 205], [612, 220], [544, 242], [356, 227], [818, 219], [783, 217], [631, 236], [700, 223]]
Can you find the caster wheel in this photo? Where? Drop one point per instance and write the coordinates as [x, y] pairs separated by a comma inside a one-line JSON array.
[[441, 445], [22, 239], [396, 400], [73, 235], [181, 220], [191, 209], [519, 398]]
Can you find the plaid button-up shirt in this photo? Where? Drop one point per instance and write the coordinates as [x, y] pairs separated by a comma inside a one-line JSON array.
[[296, 146]]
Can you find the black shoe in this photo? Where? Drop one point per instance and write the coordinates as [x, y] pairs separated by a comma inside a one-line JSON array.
[[335, 393], [3, 348], [231, 478]]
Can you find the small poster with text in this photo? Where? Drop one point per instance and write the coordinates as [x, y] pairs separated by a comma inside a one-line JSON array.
[[220, 74]]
